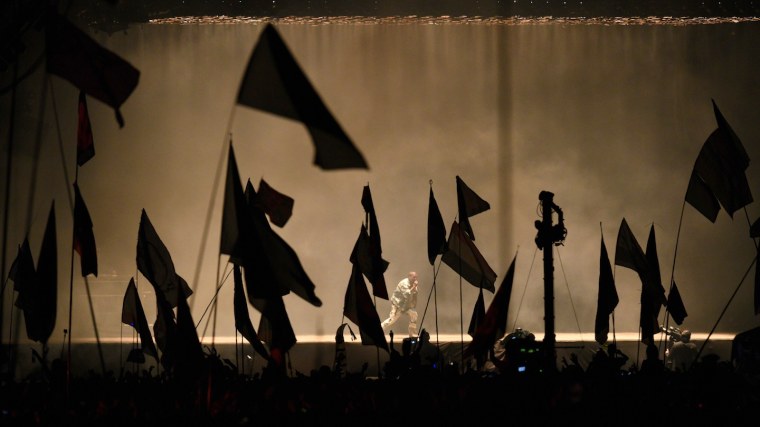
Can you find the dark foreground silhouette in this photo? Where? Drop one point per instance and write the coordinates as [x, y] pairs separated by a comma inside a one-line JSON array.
[[411, 391]]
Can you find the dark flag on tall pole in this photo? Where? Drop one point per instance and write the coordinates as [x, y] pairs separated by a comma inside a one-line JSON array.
[[132, 314], [719, 173], [78, 58], [607, 298], [653, 293], [358, 307], [436, 230], [469, 204], [464, 258], [85, 143], [23, 274], [155, 263], [84, 238], [274, 82], [235, 221], [368, 251]]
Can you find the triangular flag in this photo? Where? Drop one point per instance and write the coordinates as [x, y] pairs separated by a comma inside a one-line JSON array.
[[478, 313], [699, 195], [652, 292], [132, 314], [274, 82], [235, 222], [607, 298], [464, 258], [274, 327], [469, 204], [155, 263], [436, 230], [675, 305], [278, 206], [494, 324], [78, 58], [242, 318], [375, 274], [270, 255], [84, 238], [358, 307], [85, 144], [40, 314], [628, 252], [721, 165]]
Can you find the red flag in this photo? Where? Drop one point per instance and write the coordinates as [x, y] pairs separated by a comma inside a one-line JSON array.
[[84, 239], [274, 82], [607, 298], [464, 257], [278, 206], [436, 230], [469, 204], [358, 307], [85, 144], [78, 58], [494, 324], [132, 314]]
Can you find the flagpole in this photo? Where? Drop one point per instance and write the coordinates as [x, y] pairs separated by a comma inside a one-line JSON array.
[[754, 261]]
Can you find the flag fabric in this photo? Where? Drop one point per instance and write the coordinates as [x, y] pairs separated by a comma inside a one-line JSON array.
[[675, 305], [628, 252], [274, 82], [132, 314], [275, 257], [165, 331], [155, 263], [469, 204], [41, 307], [464, 258], [84, 238], [274, 326], [721, 165], [653, 293], [362, 257], [242, 318], [699, 195], [78, 58], [436, 230], [85, 144], [234, 213], [358, 307], [22, 271], [190, 359], [607, 298], [754, 229], [278, 206], [478, 313], [494, 324], [757, 283], [375, 275]]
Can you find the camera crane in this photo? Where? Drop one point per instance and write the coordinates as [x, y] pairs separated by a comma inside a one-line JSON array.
[[547, 236]]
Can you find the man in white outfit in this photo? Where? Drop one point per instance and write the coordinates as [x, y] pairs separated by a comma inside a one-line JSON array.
[[404, 301]]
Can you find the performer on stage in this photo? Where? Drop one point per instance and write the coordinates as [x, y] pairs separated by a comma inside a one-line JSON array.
[[404, 301]]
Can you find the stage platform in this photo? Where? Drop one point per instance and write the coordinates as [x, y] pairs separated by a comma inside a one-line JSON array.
[[312, 352]]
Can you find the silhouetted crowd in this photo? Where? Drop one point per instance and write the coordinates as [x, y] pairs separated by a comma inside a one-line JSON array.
[[414, 388]]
